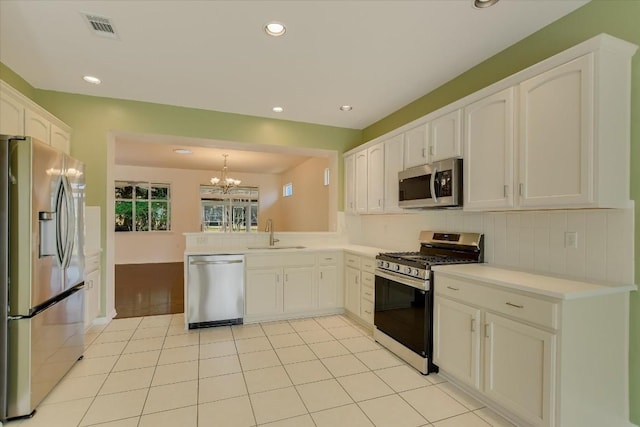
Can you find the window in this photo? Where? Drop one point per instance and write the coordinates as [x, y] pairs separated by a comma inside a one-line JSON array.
[[142, 206], [287, 190], [236, 210], [326, 177]]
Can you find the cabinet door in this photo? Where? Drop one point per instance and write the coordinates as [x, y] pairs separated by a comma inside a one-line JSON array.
[[416, 146], [350, 184], [352, 290], [361, 181], [520, 368], [456, 340], [37, 126], [488, 147], [92, 297], [11, 115], [60, 139], [299, 289], [445, 136], [263, 291], [328, 287], [393, 163], [375, 179], [556, 136]]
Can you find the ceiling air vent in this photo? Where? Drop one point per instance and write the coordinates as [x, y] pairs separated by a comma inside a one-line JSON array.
[[100, 25]]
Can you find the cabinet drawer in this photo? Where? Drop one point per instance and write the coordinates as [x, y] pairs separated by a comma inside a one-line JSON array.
[[523, 307], [366, 293], [368, 280], [290, 260], [352, 260], [330, 258], [366, 310], [368, 264], [92, 263]]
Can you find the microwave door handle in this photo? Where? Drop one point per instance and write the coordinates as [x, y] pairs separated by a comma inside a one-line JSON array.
[[434, 172]]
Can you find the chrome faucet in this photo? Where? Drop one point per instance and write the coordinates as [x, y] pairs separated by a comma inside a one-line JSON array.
[[269, 228]]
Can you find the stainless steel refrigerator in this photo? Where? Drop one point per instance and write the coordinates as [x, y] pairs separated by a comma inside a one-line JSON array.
[[42, 271]]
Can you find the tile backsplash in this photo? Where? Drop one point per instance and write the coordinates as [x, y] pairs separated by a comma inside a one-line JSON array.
[[531, 240]]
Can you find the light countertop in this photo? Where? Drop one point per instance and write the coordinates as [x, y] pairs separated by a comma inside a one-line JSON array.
[[550, 286], [355, 249]]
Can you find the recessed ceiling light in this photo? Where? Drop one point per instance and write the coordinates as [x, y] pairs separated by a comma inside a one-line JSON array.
[[182, 151], [481, 4], [277, 109], [346, 108], [92, 80], [275, 29]]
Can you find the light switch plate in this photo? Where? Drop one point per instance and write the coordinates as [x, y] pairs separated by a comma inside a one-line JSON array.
[[571, 239]]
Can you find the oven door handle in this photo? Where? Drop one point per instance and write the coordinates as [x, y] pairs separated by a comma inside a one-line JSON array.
[[423, 285]]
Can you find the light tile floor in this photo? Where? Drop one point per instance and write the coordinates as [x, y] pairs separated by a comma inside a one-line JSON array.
[[322, 372]]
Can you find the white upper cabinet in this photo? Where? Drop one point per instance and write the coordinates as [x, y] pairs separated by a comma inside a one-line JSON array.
[[11, 115], [350, 184], [393, 163], [361, 186], [375, 179], [488, 147], [446, 134], [416, 146], [37, 126], [60, 139]]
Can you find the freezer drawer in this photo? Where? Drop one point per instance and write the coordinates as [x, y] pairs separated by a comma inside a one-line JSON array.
[[215, 290], [43, 349]]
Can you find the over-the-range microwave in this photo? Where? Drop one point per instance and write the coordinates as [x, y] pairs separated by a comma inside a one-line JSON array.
[[436, 185]]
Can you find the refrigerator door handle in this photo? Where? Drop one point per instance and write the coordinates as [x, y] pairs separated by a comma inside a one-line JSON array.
[[61, 234], [70, 217]]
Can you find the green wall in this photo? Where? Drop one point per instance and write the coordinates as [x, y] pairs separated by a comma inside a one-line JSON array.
[[620, 18]]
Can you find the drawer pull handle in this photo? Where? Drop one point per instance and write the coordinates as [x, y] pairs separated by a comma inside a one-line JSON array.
[[452, 288], [486, 330], [514, 305], [367, 311], [473, 325]]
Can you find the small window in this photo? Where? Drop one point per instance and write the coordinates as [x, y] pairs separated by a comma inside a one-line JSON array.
[[287, 190], [142, 206], [327, 177]]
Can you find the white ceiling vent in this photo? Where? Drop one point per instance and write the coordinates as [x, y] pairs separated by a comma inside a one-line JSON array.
[[100, 25]]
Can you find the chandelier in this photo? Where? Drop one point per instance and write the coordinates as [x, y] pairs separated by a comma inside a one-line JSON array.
[[225, 183]]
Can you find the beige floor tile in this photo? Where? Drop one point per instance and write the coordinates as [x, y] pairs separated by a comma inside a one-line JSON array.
[[137, 360], [93, 366], [246, 331], [90, 338], [181, 340], [175, 373], [259, 360], [148, 344], [285, 340], [493, 418], [328, 349], [267, 379], [220, 333], [217, 349], [296, 354], [403, 378], [379, 359], [465, 420], [360, 344], [155, 321], [433, 403], [459, 395], [75, 388], [115, 336], [340, 366], [365, 386], [182, 417], [234, 412], [56, 415], [96, 329], [391, 411], [435, 379], [127, 422], [306, 372], [302, 325], [301, 421], [332, 322], [111, 407], [118, 382], [107, 349], [276, 405], [221, 387], [318, 335], [152, 332], [171, 396], [123, 324], [219, 366], [179, 329], [178, 354], [343, 332], [250, 345], [277, 328], [344, 416], [323, 395]]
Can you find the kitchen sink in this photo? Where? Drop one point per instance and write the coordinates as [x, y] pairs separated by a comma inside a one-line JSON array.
[[276, 247]]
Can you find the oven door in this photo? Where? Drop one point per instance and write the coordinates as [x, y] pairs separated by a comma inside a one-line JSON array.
[[403, 312]]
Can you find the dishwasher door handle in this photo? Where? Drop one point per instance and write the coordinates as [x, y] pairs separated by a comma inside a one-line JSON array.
[[237, 261]]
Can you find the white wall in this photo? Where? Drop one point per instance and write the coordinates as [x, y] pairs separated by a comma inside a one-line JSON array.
[[532, 240]]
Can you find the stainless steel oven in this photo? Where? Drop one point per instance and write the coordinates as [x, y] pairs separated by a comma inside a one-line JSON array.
[[436, 185]]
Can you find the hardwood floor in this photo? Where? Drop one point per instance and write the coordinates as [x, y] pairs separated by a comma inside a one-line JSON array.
[[149, 289]]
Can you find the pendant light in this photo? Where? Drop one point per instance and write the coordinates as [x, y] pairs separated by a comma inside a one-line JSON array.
[[225, 183]]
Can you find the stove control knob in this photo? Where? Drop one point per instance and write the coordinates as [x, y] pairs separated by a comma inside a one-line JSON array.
[[407, 270], [386, 264], [396, 267]]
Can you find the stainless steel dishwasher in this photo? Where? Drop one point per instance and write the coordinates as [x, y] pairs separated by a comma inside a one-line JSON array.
[[215, 290]]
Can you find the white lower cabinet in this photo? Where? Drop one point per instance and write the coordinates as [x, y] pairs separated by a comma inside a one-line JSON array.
[[91, 289], [299, 289], [263, 293], [359, 282]]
